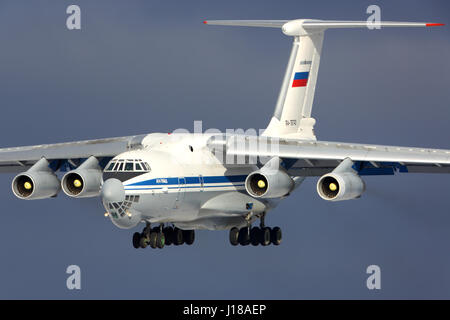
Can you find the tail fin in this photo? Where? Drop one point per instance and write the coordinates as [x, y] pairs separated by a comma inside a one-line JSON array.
[[292, 116]]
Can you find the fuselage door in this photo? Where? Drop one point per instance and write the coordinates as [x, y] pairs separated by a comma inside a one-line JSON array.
[[200, 178], [181, 190]]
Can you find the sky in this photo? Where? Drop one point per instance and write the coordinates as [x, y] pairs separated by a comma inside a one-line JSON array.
[[152, 66]]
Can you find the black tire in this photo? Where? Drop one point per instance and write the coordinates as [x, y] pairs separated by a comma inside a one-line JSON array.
[[160, 240], [177, 238], [276, 236], [244, 237], [234, 236], [254, 236], [265, 236], [143, 243], [189, 237], [168, 231], [136, 240], [153, 236]]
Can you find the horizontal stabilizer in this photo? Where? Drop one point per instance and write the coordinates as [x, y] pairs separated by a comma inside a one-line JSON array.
[[318, 24], [362, 24], [248, 23]]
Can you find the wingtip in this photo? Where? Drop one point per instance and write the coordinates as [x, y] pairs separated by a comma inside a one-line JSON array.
[[205, 22], [435, 24]]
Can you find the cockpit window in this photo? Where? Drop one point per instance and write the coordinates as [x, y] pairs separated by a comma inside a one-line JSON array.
[[110, 167], [128, 165]]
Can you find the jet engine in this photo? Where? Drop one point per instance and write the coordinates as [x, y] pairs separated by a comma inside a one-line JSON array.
[[343, 183], [83, 182], [271, 181], [39, 182]]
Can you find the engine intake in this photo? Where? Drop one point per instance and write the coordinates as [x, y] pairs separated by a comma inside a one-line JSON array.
[[73, 183], [341, 184], [83, 182], [329, 187], [39, 182], [257, 184], [269, 182]]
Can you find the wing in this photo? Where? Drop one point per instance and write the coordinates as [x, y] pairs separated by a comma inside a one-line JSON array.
[[67, 154], [315, 158]]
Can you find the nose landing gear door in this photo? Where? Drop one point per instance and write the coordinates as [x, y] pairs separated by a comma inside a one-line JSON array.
[[181, 190]]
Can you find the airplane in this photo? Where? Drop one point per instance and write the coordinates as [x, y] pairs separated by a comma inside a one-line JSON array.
[[179, 182]]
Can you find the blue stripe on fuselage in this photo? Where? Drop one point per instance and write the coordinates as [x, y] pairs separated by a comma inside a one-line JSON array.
[[190, 180], [188, 187]]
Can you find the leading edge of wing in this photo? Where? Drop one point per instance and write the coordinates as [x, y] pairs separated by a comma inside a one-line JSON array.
[[69, 150], [326, 150]]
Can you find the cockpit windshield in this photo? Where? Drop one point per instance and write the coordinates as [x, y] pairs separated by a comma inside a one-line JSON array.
[[127, 165]]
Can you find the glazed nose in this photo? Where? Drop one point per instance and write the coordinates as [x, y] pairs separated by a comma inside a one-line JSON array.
[[113, 191]]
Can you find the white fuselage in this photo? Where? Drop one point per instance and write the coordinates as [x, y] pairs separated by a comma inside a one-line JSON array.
[[186, 185]]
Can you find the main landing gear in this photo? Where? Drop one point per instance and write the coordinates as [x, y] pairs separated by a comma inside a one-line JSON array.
[[159, 237], [255, 236]]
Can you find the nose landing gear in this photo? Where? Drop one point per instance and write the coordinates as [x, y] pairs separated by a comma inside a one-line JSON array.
[[161, 236]]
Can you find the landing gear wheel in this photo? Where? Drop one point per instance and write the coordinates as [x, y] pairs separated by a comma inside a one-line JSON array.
[[234, 236], [265, 236], [153, 236], [143, 242], [244, 236], [189, 236], [160, 240], [136, 240], [255, 236], [177, 237], [168, 231], [275, 236]]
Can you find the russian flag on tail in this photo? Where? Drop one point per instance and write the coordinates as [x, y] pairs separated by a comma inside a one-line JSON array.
[[300, 79]]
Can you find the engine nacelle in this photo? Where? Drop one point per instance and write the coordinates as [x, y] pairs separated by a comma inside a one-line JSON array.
[[39, 182], [83, 182], [340, 186], [269, 181]]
